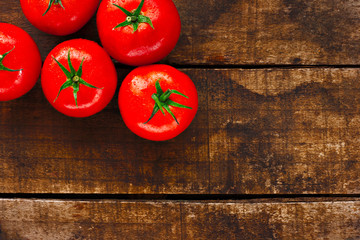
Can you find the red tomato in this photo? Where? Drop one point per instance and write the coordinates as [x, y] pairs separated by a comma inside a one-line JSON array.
[[78, 78], [20, 62], [148, 87], [59, 17], [146, 34]]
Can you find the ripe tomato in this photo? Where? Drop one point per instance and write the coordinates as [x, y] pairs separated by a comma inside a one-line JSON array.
[[20, 62], [138, 32], [59, 17], [78, 78], [151, 90]]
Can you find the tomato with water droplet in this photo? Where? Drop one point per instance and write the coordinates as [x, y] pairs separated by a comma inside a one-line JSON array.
[[20, 62]]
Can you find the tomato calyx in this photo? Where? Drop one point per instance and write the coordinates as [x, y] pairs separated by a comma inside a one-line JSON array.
[[2, 67], [53, 2], [162, 100], [73, 78], [134, 18]]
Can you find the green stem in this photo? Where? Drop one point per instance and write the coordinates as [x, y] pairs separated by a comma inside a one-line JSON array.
[[2, 67], [53, 2], [73, 78], [134, 18], [165, 96], [131, 18], [158, 103], [76, 79], [162, 101]]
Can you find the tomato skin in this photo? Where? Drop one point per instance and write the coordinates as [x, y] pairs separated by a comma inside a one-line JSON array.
[[146, 45], [98, 70], [59, 21], [25, 56], [136, 104]]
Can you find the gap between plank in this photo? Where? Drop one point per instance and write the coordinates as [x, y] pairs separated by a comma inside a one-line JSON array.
[[178, 197]]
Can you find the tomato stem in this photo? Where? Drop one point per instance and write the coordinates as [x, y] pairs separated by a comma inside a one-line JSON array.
[[162, 101], [76, 79], [2, 67], [165, 95], [53, 2], [134, 18], [158, 103], [73, 78], [131, 18]]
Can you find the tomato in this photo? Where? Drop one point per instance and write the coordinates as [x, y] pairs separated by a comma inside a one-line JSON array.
[[150, 91], [59, 17], [20, 62], [78, 78], [138, 32]]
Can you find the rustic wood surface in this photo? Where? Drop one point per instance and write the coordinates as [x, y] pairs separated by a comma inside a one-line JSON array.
[[70, 220], [47, 152], [263, 131], [245, 32], [284, 131], [272, 130]]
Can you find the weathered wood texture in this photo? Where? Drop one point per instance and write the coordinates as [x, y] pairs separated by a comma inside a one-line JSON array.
[[70, 220], [77, 220], [245, 31], [43, 151], [284, 131], [264, 131]]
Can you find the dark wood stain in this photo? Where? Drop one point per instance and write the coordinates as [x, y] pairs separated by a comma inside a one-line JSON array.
[[56, 153], [296, 140], [330, 26], [270, 131]]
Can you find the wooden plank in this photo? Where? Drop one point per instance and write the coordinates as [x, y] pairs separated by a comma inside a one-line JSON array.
[[70, 220], [75, 220], [264, 131], [245, 32], [284, 131], [301, 220], [43, 151]]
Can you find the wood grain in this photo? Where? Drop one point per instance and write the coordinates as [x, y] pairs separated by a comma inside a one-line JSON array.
[[296, 221], [47, 152], [244, 32], [278, 131], [80, 220], [264, 131], [70, 220]]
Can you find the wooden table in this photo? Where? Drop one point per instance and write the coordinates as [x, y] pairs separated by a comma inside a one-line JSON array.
[[273, 152]]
